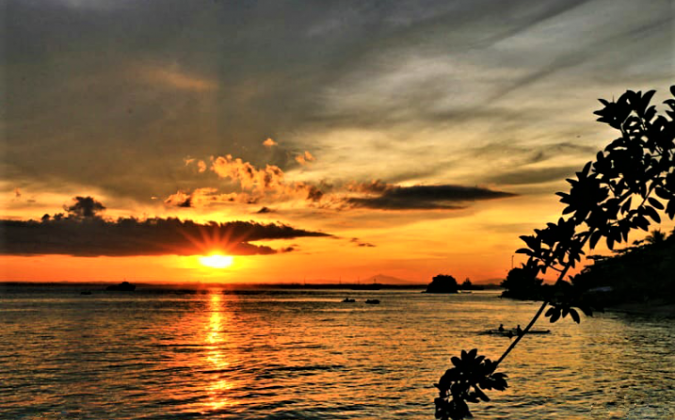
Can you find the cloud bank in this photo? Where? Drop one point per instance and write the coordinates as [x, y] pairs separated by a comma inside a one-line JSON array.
[[268, 184], [84, 233]]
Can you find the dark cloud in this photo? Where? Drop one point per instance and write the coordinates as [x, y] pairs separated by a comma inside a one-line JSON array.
[[91, 237], [359, 243], [84, 207], [265, 210], [427, 197]]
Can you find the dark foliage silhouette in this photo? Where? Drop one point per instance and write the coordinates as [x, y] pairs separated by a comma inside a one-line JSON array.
[[624, 189], [520, 284], [616, 279]]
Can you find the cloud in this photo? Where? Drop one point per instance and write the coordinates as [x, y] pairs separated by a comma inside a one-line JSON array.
[[84, 207], [305, 158], [269, 185], [17, 193], [202, 197], [91, 237], [375, 186], [427, 197], [269, 143], [270, 178], [256, 184], [362, 244]]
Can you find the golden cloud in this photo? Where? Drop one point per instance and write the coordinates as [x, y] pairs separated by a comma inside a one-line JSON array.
[[269, 143]]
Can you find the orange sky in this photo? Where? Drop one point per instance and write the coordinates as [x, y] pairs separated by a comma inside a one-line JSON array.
[[418, 140]]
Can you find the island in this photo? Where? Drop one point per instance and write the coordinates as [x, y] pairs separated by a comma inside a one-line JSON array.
[[442, 283], [125, 286]]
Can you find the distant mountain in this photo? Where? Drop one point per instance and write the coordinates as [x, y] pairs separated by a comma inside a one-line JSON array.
[[382, 279]]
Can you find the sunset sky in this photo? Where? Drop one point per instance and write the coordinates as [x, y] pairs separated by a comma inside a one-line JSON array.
[[351, 138]]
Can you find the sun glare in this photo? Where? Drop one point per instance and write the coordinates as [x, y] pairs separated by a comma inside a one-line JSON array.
[[217, 261]]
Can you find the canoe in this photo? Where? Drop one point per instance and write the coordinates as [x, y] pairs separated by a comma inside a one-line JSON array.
[[512, 332]]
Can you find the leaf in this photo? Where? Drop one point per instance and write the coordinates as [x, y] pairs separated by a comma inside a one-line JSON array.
[[587, 168], [655, 203], [575, 315], [482, 395], [595, 237], [526, 251], [555, 314], [670, 210], [653, 214]]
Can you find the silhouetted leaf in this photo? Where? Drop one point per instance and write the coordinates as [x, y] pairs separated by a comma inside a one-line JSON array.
[[575, 315], [670, 209], [525, 251], [595, 237], [482, 395], [656, 203], [653, 214]]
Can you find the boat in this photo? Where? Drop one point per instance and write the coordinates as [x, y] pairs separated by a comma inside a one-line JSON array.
[[512, 332], [125, 286], [85, 292], [373, 301], [348, 300]]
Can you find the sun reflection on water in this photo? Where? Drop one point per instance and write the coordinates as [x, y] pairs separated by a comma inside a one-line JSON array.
[[216, 339]]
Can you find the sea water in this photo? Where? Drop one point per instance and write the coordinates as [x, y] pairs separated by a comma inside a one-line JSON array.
[[303, 354]]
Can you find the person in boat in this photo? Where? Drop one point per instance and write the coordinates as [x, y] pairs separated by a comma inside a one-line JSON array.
[[501, 328], [519, 331]]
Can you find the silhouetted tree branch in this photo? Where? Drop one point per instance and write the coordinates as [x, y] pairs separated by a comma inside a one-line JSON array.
[[600, 204]]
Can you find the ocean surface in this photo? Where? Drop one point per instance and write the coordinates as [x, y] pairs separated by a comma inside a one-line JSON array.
[[302, 354]]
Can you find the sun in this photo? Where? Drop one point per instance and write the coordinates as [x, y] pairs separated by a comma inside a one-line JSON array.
[[217, 261]]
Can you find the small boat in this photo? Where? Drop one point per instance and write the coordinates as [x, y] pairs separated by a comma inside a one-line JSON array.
[[512, 332], [348, 300], [85, 292], [373, 301]]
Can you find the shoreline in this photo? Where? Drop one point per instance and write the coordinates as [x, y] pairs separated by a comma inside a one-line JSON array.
[[643, 308]]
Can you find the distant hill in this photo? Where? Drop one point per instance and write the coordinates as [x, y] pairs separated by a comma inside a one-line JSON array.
[[382, 279]]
